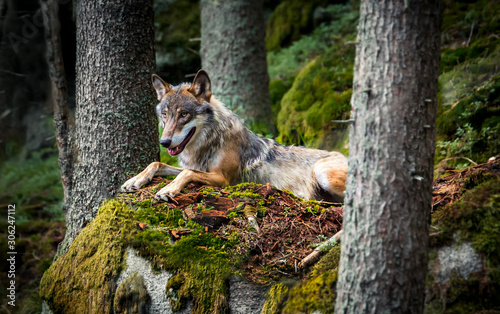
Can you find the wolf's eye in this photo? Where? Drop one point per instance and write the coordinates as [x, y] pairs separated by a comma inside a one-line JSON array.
[[184, 114], [164, 114]]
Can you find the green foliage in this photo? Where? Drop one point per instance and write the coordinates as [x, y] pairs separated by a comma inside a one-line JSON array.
[[471, 127], [469, 89], [306, 101], [34, 185], [288, 61], [460, 17], [466, 78], [288, 21]]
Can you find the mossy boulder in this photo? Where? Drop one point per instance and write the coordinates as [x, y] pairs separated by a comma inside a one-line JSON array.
[[288, 21], [182, 260], [83, 279], [321, 92], [132, 296]]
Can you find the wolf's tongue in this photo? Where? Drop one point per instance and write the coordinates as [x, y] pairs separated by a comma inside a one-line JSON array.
[[173, 151]]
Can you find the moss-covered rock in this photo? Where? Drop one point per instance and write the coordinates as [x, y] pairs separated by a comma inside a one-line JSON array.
[[289, 20], [195, 263], [132, 296], [83, 279], [316, 293], [320, 93]]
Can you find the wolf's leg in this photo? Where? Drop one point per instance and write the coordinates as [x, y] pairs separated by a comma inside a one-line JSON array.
[[188, 176], [154, 169], [331, 174]]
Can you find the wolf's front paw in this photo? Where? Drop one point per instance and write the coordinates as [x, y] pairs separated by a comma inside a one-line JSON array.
[[135, 183], [167, 193]]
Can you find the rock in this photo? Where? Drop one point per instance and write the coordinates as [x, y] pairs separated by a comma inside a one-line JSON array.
[[245, 297], [132, 296], [154, 282], [459, 259]]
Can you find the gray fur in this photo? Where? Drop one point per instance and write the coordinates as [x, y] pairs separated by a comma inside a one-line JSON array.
[[261, 160]]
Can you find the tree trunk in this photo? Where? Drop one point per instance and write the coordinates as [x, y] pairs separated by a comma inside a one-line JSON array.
[[63, 118], [383, 264], [116, 131], [233, 52]]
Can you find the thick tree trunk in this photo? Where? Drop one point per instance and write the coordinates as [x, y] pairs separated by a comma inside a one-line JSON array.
[[116, 128], [234, 54], [384, 249]]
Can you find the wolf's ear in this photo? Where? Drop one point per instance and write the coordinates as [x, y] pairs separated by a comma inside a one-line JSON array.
[[160, 86], [201, 87]]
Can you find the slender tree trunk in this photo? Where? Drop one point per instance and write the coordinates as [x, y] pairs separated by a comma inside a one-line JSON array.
[[116, 131], [63, 118], [233, 52], [384, 249]]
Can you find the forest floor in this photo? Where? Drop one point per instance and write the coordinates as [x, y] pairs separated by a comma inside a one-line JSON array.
[[287, 228]]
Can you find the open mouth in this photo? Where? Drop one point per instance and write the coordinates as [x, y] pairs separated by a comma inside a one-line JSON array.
[[179, 148]]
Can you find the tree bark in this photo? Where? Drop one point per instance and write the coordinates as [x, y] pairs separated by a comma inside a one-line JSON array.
[[116, 131], [383, 264], [63, 118], [233, 52]]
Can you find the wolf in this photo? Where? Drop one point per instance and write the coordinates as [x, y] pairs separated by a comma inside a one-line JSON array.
[[215, 148]]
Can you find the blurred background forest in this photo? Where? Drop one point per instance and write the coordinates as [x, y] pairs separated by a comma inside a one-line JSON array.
[[310, 56]]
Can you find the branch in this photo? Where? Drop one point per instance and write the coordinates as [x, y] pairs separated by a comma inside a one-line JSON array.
[[63, 119], [324, 247]]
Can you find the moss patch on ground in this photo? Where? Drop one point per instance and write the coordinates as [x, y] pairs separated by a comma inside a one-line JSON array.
[[315, 293], [311, 82]]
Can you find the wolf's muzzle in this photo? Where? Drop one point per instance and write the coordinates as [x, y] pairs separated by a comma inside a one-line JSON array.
[[165, 143]]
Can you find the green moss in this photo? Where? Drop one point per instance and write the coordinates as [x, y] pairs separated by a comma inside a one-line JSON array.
[[82, 279], [316, 293], [203, 267], [274, 299], [288, 21], [132, 296], [34, 185], [320, 93], [475, 218], [470, 127], [478, 294]]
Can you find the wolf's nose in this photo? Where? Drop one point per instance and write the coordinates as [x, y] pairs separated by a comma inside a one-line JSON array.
[[165, 143]]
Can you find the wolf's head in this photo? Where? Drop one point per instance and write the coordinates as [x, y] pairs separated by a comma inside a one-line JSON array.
[[182, 110]]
